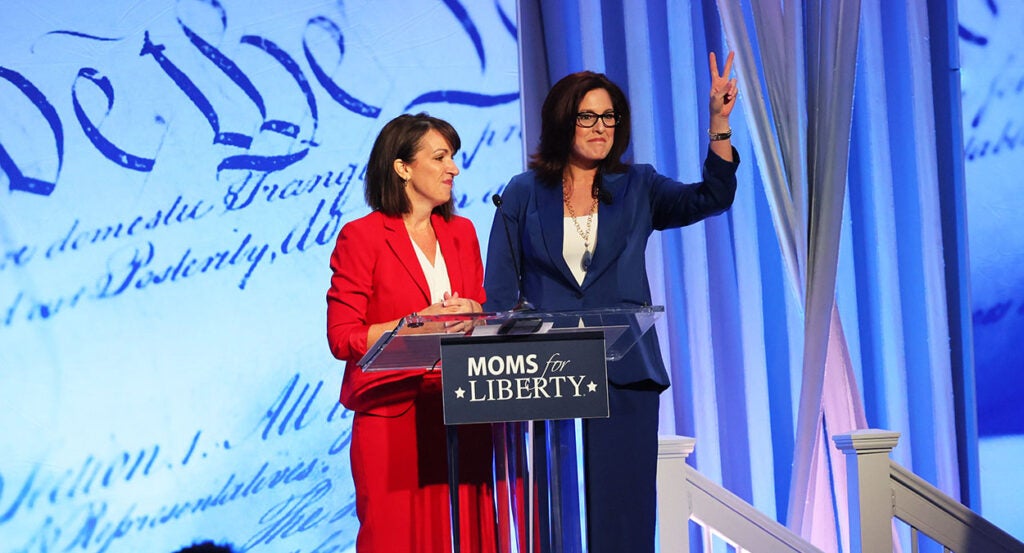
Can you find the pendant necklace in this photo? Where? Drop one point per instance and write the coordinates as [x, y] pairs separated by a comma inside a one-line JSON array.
[[587, 256]]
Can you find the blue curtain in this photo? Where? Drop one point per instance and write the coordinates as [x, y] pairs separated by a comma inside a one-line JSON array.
[[746, 293]]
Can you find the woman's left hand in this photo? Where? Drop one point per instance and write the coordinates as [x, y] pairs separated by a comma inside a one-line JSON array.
[[723, 89]]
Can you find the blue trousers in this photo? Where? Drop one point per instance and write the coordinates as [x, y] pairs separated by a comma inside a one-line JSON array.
[[621, 464]]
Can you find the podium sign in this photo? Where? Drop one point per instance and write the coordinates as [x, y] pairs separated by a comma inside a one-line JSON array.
[[524, 377]]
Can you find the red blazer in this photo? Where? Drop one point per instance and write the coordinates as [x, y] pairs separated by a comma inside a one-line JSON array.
[[397, 454], [378, 278]]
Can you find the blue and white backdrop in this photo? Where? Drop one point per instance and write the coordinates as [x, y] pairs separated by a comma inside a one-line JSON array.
[[173, 176]]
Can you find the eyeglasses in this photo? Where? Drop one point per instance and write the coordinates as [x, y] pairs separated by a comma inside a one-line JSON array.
[[588, 119]]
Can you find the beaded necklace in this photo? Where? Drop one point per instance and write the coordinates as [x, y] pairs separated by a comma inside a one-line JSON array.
[[587, 256]]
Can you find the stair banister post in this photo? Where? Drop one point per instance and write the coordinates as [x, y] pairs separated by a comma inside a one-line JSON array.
[[870, 494], [674, 505]]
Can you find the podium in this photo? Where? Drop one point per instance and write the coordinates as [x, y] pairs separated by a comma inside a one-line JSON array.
[[526, 373]]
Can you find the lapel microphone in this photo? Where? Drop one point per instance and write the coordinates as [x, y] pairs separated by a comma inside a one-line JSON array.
[[523, 304]]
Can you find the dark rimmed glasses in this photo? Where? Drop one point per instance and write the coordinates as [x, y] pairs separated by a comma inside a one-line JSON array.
[[587, 119]]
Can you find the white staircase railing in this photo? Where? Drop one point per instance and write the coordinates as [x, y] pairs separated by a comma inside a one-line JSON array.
[[881, 490], [684, 494]]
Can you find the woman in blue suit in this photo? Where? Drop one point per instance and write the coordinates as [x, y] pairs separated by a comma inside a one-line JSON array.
[[579, 220]]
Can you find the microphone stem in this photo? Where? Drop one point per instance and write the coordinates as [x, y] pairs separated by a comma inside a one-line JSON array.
[[523, 304]]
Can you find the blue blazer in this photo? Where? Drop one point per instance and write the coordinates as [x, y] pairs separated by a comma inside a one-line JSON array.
[[641, 201]]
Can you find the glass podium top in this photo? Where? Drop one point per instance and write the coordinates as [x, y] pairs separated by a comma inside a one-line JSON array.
[[416, 342]]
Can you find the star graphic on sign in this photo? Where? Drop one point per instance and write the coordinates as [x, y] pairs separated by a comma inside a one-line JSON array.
[[592, 387], [459, 392]]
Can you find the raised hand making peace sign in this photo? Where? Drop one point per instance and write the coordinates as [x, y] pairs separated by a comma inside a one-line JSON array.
[[723, 89], [723, 99]]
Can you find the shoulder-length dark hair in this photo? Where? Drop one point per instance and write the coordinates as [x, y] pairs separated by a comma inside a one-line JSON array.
[[558, 125], [400, 139]]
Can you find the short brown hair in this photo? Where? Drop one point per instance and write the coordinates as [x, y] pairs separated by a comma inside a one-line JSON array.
[[400, 139], [558, 125]]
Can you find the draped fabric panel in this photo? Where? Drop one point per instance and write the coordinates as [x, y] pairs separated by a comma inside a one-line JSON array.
[[830, 50], [908, 369], [817, 304]]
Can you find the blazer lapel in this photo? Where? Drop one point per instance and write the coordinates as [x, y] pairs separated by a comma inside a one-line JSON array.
[[552, 223], [400, 244], [612, 228]]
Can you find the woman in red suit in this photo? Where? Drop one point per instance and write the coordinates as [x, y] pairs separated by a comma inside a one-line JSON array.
[[410, 255]]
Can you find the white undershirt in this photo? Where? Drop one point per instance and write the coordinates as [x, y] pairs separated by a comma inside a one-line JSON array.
[[437, 274], [573, 245]]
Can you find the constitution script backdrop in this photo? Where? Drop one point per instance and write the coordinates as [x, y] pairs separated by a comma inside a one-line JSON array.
[[173, 175]]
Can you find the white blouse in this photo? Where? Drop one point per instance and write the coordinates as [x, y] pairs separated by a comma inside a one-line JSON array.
[[573, 245], [437, 274]]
